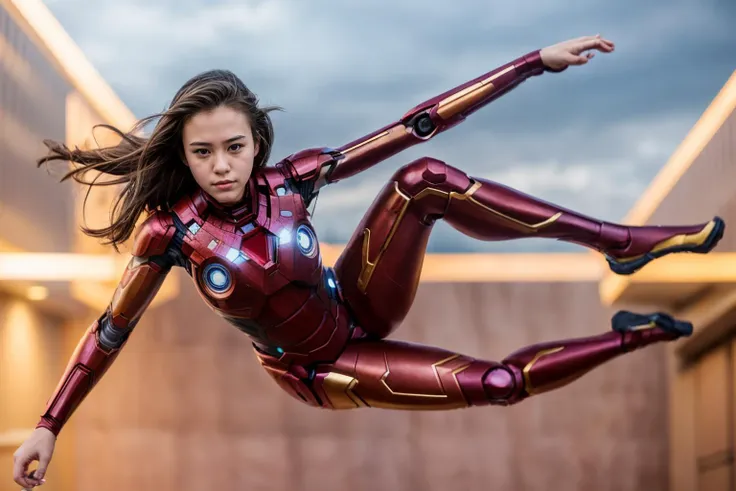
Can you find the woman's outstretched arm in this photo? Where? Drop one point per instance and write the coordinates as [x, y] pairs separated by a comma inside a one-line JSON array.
[[325, 165], [148, 267], [155, 251]]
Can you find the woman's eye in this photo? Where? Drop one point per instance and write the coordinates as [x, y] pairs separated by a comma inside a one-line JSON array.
[[201, 151], [235, 147]]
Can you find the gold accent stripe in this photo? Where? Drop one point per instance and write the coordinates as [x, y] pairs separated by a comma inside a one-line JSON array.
[[694, 240], [645, 327], [339, 390], [468, 196], [365, 142], [531, 226], [464, 99], [530, 389], [410, 394], [457, 382], [369, 267]]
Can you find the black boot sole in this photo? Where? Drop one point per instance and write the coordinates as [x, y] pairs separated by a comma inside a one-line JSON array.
[[625, 321]]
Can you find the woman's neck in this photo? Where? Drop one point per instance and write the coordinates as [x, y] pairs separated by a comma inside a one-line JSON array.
[[238, 213]]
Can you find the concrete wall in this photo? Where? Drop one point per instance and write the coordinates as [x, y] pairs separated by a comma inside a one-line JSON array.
[[32, 353], [32, 108], [187, 407], [37, 214], [702, 401]]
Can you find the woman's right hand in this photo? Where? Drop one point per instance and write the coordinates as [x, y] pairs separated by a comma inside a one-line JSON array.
[[39, 446], [561, 55]]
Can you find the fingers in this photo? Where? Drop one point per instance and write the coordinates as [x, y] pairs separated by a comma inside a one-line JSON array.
[[20, 474], [572, 59], [591, 42], [27, 480], [43, 464], [20, 465], [34, 476], [19, 468]]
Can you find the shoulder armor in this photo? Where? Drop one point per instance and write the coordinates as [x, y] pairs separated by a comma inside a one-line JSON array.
[[154, 235], [190, 209], [271, 178], [307, 164]]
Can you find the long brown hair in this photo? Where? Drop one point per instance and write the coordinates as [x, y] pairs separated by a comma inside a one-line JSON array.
[[152, 168]]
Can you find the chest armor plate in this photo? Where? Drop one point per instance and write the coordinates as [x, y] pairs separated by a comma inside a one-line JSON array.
[[238, 265]]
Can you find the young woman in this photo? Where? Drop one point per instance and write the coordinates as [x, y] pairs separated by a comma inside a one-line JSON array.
[[241, 230]]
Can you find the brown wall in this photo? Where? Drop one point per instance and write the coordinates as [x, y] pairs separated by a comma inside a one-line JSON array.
[[714, 419], [36, 214], [32, 353], [187, 407], [703, 421], [701, 402]]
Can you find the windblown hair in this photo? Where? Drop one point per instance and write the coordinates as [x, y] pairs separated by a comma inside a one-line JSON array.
[[152, 168]]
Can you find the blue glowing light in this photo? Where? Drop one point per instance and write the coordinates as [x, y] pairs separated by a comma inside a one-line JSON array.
[[306, 240], [217, 277]]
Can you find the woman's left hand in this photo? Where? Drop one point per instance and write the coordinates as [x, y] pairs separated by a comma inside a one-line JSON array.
[[574, 52]]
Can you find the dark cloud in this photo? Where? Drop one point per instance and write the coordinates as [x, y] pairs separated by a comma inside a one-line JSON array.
[[589, 139]]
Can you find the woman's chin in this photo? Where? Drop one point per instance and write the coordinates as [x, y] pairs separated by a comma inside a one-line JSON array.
[[227, 198]]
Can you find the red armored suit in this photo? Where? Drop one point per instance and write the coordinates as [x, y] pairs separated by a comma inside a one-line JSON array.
[[320, 332]]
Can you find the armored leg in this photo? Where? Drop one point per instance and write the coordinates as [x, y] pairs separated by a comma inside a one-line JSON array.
[[381, 265], [398, 375]]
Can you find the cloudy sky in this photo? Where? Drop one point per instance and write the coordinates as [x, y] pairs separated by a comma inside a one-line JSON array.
[[590, 139]]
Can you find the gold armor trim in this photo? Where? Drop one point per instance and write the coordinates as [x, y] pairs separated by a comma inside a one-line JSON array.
[[410, 394], [468, 196], [425, 401], [694, 240], [645, 327], [395, 133], [530, 389], [469, 96], [339, 390], [366, 142], [369, 267]]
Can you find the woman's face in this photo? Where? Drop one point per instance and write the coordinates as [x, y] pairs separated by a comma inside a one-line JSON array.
[[219, 150]]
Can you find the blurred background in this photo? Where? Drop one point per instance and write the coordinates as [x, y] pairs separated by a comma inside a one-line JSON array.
[[646, 135]]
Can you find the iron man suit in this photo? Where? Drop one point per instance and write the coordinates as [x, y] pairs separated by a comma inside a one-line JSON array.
[[320, 332]]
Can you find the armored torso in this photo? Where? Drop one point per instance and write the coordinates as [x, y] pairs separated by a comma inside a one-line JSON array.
[[258, 265]]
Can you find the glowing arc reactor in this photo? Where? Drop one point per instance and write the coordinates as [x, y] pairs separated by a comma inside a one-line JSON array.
[[306, 241], [217, 277]]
